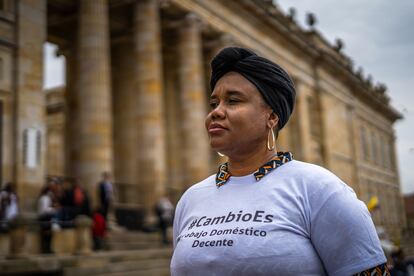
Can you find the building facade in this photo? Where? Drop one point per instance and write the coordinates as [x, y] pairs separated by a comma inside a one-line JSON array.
[[137, 93]]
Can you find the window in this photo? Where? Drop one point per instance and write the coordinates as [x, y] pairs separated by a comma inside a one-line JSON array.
[[313, 116], [31, 147], [390, 153], [384, 155], [374, 152]]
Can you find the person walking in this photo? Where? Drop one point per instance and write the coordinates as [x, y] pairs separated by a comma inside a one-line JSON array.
[[47, 216], [165, 212], [105, 191]]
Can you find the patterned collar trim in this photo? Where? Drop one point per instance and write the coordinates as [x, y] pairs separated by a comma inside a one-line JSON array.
[[223, 174]]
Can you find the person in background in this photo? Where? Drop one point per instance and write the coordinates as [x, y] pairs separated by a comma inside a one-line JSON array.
[[57, 190], [98, 229], [9, 207], [47, 216], [165, 212], [105, 190], [67, 203], [81, 200]]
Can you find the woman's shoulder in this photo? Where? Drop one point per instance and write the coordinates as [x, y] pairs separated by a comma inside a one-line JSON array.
[[306, 170], [200, 187], [312, 176]]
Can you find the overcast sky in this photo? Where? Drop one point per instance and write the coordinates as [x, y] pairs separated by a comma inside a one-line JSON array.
[[378, 36]]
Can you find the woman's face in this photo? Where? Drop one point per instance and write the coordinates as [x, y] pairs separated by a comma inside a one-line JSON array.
[[239, 119]]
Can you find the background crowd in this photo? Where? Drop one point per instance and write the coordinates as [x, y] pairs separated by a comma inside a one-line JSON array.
[[60, 201]]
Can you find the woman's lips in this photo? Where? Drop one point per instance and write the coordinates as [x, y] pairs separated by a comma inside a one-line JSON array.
[[215, 128]]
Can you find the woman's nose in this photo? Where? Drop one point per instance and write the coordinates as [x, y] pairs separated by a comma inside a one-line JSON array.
[[218, 112]]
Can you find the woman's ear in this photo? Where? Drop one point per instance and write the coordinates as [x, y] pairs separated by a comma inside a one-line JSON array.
[[273, 120]]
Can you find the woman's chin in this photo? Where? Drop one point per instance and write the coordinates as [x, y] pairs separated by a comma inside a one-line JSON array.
[[218, 146]]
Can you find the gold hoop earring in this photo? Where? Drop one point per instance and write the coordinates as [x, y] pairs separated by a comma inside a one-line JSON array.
[[271, 146], [220, 154]]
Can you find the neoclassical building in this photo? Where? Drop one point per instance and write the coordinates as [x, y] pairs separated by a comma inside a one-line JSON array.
[[136, 95]]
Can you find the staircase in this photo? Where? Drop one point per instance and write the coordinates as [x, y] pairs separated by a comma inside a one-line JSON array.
[[148, 262], [134, 240], [151, 262], [129, 253]]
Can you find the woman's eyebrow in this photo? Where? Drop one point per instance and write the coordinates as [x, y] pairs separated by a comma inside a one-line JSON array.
[[228, 94], [235, 93]]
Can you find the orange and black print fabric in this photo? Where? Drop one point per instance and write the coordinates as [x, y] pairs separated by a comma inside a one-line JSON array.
[[278, 160], [380, 270]]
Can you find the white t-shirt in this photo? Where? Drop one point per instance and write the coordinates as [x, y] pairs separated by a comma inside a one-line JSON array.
[[300, 219]]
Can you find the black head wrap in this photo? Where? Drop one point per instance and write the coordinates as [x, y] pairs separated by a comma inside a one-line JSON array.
[[271, 80]]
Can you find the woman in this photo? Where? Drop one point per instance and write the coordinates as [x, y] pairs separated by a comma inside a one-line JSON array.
[[264, 213]]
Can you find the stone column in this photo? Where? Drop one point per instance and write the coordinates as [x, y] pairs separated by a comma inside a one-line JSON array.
[[71, 148], [172, 121], [195, 146], [353, 141], [30, 132], [302, 110], [94, 94], [325, 106], [125, 120], [151, 145], [213, 48]]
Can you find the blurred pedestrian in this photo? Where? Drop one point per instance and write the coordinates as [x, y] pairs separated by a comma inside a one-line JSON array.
[[47, 216], [98, 229], [165, 212], [105, 191], [81, 200], [68, 210], [9, 207]]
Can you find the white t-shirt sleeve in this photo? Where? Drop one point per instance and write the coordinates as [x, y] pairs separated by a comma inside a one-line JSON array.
[[343, 233]]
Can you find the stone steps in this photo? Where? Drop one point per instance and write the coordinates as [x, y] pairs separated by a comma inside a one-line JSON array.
[[129, 262], [127, 235], [134, 240], [147, 272], [131, 253], [121, 268], [132, 245]]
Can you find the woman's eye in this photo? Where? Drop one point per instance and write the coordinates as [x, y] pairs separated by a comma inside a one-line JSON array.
[[213, 105], [233, 101]]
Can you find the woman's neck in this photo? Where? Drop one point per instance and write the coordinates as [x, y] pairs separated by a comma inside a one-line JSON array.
[[248, 163]]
